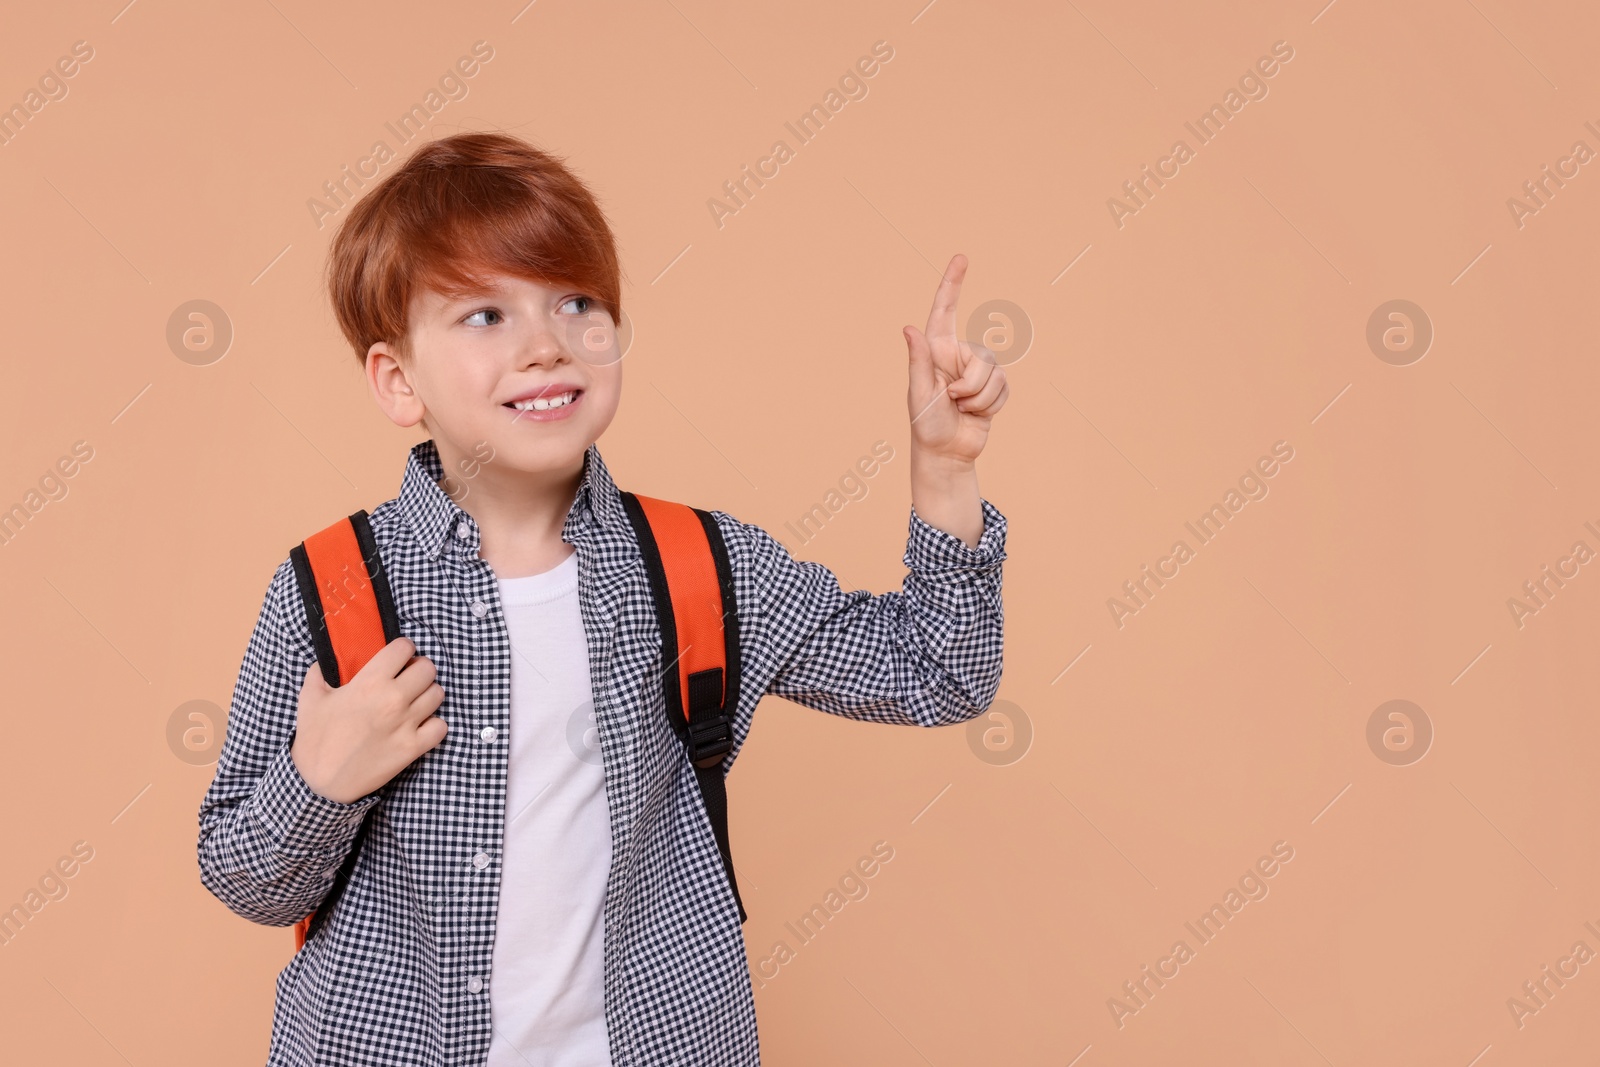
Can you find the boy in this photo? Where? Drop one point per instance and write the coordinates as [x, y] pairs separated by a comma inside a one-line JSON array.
[[518, 898]]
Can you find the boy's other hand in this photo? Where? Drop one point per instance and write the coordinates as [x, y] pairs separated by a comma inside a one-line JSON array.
[[351, 740], [956, 387]]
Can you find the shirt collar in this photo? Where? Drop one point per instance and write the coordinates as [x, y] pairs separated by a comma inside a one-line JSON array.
[[433, 515]]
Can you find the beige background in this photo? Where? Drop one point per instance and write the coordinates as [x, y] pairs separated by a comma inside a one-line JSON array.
[[1229, 313]]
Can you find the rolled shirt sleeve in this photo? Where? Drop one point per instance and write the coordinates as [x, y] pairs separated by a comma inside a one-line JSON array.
[[928, 655]]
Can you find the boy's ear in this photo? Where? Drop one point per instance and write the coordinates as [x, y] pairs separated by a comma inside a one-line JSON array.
[[391, 386]]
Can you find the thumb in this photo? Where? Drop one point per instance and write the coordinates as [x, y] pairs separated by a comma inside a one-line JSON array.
[[314, 681]]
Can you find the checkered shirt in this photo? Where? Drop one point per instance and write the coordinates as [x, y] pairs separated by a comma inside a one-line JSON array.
[[399, 971]]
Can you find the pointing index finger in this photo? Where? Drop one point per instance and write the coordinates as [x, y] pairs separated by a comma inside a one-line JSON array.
[[942, 318]]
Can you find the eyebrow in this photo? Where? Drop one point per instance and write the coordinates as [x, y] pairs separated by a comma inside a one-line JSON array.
[[467, 296]]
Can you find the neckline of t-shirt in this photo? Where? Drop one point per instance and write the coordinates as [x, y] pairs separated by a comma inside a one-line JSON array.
[[558, 581]]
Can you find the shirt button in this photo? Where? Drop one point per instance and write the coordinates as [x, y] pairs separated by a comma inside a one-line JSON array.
[[481, 860], [488, 733], [479, 608], [463, 531], [475, 984]]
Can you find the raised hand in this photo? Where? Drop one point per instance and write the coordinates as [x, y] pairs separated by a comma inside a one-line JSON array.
[[956, 387]]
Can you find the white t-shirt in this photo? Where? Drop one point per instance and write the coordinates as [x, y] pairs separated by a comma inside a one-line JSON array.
[[546, 989]]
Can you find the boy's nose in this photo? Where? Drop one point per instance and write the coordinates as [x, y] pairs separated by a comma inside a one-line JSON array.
[[541, 347]]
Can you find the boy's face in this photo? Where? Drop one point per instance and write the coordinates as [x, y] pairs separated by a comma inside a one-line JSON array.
[[477, 362]]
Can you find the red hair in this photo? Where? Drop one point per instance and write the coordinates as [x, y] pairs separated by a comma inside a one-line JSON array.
[[462, 208]]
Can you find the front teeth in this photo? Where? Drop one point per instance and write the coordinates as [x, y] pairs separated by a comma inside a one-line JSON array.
[[545, 403]]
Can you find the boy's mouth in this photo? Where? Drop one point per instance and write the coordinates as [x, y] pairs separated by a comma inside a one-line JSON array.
[[550, 399]]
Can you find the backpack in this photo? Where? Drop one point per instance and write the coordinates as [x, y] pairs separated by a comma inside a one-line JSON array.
[[350, 609]]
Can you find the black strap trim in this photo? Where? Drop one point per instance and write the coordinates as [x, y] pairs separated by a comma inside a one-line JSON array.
[[730, 604], [714, 791], [709, 723], [321, 643], [713, 783], [650, 552], [377, 575]]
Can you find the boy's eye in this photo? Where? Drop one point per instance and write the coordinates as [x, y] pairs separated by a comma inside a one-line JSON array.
[[484, 317], [585, 301]]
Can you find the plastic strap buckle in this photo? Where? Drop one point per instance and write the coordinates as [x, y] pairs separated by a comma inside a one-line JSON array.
[[709, 741]]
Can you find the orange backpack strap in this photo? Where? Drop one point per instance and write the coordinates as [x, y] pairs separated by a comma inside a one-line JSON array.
[[351, 614], [691, 581], [348, 603]]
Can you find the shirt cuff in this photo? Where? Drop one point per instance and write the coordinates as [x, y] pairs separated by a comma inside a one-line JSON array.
[[929, 548], [301, 821]]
